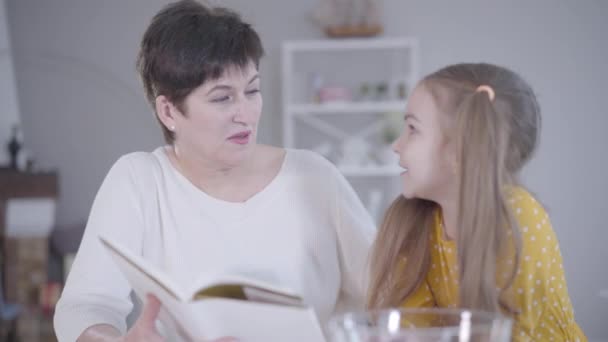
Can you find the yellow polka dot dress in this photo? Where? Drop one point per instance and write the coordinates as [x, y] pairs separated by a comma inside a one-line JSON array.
[[539, 289]]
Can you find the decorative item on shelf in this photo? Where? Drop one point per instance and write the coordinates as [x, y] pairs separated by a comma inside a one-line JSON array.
[[349, 18], [14, 147], [365, 93], [381, 91], [334, 94], [19, 157], [355, 153], [402, 90], [316, 83], [398, 89], [353, 31]]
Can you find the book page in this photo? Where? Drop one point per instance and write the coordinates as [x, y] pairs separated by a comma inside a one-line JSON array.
[[142, 276], [254, 322], [244, 287]]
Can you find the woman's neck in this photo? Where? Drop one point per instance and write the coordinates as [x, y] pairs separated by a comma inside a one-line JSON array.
[[220, 181]]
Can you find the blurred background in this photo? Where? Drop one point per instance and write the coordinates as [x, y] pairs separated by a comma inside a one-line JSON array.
[[71, 104]]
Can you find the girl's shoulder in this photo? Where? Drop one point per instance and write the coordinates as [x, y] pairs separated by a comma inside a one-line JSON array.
[[524, 204], [533, 221]]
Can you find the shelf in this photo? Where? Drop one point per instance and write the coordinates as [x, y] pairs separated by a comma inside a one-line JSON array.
[[353, 171], [348, 107], [351, 44]]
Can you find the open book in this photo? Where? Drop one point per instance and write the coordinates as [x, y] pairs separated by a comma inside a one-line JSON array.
[[218, 306]]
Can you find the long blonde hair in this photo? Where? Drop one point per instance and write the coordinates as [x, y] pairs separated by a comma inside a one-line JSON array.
[[493, 140]]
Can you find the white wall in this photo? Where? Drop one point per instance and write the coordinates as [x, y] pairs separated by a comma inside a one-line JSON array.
[[9, 109], [82, 105]]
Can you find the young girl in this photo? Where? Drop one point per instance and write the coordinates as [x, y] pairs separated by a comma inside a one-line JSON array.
[[465, 233]]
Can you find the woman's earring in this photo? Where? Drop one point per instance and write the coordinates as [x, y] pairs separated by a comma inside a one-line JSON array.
[[172, 128]]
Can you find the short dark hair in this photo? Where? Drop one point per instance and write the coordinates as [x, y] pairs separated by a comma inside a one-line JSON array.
[[188, 43]]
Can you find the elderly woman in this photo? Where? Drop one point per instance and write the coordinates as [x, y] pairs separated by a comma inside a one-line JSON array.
[[212, 198]]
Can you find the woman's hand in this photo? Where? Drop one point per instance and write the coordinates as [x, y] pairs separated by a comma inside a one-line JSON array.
[[144, 328]]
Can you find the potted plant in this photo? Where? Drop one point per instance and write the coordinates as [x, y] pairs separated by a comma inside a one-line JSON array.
[[391, 129]]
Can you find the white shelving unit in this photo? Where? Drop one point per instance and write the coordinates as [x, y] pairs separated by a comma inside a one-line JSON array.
[[370, 171], [346, 107], [347, 63]]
